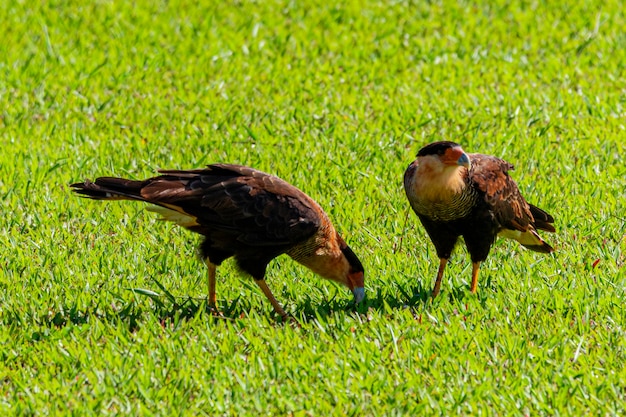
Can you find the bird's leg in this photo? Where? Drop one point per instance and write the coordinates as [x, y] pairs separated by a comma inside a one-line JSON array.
[[475, 267], [268, 293], [442, 267], [212, 268]]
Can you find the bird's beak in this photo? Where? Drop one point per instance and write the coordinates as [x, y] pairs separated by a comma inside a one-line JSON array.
[[464, 161], [359, 294]]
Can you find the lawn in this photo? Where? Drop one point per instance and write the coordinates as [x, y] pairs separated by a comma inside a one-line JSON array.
[[102, 306]]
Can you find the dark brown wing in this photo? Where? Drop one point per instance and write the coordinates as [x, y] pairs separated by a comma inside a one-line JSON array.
[[543, 220], [228, 203], [489, 175], [256, 208]]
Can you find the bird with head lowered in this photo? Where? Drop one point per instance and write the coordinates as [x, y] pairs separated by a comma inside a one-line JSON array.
[[458, 194], [243, 213]]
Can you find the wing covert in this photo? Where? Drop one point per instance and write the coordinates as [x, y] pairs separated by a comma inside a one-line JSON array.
[[240, 202], [490, 176]]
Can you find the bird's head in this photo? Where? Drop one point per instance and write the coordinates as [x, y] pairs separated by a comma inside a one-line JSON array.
[[439, 172], [450, 154], [333, 259]]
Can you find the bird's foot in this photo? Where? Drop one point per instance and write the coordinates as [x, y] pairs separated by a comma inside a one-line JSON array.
[[291, 320], [215, 312]]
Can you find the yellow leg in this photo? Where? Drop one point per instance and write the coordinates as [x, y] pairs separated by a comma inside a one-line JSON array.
[[212, 270], [475, 267], [268, 293], [442, 267]]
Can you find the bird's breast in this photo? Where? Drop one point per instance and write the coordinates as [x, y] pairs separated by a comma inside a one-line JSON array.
[[447, 208], [439, 194]]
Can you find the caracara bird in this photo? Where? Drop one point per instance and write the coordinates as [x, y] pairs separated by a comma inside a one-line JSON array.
[[471, 195], [244, 213]]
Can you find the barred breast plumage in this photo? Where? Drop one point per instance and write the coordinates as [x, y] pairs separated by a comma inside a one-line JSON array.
[[458, 207]]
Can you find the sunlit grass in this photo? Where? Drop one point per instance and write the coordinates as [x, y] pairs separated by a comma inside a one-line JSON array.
[[336, 99]]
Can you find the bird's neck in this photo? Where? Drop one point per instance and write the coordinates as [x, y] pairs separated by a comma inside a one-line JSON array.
[[322, 255], [439, 183]]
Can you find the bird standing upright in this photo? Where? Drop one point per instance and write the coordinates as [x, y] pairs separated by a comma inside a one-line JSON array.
[[471, 195], [245, 213]]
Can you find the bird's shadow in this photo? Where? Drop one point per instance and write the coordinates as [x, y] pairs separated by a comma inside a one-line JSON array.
[[171, 310]]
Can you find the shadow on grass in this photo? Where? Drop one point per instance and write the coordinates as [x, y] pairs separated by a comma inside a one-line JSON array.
[[131, 315], [413, 295], [170, 309]]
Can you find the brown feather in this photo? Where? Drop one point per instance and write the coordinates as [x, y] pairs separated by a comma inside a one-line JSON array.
[[242, 212], [487, 203]]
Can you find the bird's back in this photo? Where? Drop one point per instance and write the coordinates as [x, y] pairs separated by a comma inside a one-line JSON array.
[[234, 206], [489, 177]]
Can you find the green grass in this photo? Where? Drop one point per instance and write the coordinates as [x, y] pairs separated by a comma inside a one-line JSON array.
[[336, 98]]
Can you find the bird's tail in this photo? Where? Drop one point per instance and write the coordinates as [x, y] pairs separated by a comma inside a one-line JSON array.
[[110, 188], [543, 221], [530, 239], [538, 244]]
